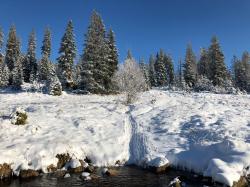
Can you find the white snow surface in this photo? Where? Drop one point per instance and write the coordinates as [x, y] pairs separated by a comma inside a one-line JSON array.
[[202, 132]]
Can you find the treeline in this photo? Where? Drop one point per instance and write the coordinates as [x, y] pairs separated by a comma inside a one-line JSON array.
[[93, 72], [98, 64]]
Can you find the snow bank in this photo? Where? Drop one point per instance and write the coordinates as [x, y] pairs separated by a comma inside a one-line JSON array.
[[205, 133]]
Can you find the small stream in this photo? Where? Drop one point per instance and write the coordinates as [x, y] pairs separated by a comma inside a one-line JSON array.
[[127, 177]]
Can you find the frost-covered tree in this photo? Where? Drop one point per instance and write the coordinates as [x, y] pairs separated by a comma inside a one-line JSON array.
[[96, 54], [169, 69], [30, 62], [12, 52], [112, 58], [4, 75], [203, 64], [44, 63], [52, 83], [130, 80], [152, 76], [46, 47], [160, 69], [190, 69], [67, 53], [1, 39], [145, 69], [217, 65], [17, 73], [241, 71]]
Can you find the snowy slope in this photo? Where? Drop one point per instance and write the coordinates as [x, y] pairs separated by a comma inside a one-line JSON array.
[[206, 133]]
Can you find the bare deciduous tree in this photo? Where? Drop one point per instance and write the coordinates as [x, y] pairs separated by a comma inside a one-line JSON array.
[[130, 80]]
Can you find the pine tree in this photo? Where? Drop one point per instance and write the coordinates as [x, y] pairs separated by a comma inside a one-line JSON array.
[[95, 53], [17, 73], [44, 63], [217, 65], [241, 74], [53, 84], [169, 69], [30, 62], [160, 70], [1, 39], [190, 67], [145, 71], [4, 75], [152, 76], [66, 60], [46, 47], [112, 58], [203, 64], [1, 54], [12, 52]]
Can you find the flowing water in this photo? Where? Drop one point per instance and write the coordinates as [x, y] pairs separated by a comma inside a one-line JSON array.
[[127, 177]]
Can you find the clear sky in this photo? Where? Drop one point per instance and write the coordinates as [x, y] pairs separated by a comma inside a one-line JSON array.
[[144, 26]]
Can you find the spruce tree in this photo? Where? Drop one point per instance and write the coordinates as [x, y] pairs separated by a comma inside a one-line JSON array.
[[1, 38], [145, 70], [44, 63], [46, 47], [95, 53], [152, 76], [17, 73], [160, 70], [1, 54], [203, 64], [4, 76], [189, 71], [169, 69], [67, 53], [30, 62], [217, 66], [112, 57], [13, 54]]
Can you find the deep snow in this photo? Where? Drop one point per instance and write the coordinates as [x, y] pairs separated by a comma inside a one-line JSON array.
[[206, 133]]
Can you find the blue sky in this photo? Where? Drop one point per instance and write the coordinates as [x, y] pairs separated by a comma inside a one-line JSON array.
[[144, 26]]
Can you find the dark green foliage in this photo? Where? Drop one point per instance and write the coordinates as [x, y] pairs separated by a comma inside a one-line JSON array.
[[203, 64], [145, 70], [12, 49], [169, 69], [190, 69], [67, 53], [96, 55], [112, 59], [241, 70], [217, 65], [30, 62], [46, 47], [152, 76], [160, 70]]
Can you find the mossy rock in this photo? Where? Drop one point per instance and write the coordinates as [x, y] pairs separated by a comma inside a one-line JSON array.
[[62, 160], [5, 171], [19, 117], [29, 173]]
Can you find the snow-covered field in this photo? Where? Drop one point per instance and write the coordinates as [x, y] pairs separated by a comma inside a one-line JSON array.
[[206, 133]]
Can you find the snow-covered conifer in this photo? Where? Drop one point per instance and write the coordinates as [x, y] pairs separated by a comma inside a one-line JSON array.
[[95, 53], [30, 62], [67, 53], [190, 69], [169, 69], [152, 76], [145, 70], [217, 65], [160, 70]]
